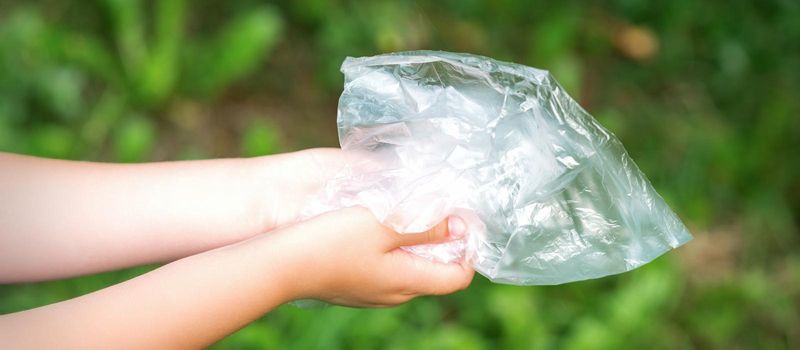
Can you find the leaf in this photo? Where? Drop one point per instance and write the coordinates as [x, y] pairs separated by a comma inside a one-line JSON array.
[[10, 138], [554, 37], [60, 90], [101, 119], [260, 138], [151, 69], [160, 73], [129, 34], [233, 53], [52, 141], [87, 52], [135, 140]]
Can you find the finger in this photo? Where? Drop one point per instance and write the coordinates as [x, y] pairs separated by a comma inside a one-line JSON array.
[[451, 228], [426, 277]]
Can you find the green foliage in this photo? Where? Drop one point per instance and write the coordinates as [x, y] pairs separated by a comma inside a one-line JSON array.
[[702, 94], [259, 139], [50, 71], [135, 139], [52, 141], [233, 52], [150, 70]]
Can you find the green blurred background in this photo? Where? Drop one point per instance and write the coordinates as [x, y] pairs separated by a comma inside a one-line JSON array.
[[704, 94]]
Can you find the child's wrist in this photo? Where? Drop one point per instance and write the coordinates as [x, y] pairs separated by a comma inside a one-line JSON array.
[[284, 267], [282, 182], [261, 181]]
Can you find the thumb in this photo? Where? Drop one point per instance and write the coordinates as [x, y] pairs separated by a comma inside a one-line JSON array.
[[451, 228]]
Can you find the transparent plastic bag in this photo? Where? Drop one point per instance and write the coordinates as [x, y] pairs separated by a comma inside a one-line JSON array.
[[549, 195]]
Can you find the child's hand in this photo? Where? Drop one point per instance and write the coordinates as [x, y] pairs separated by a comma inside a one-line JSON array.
[[347, 257], [145, 213], [291, 178]]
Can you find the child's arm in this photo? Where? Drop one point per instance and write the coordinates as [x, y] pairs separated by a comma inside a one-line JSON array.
[[63, 218], [345, 257]]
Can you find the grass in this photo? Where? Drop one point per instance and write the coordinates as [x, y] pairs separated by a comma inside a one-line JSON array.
[[703, 95]]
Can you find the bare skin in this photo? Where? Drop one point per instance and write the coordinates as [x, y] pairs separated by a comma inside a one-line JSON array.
[[61, 219]]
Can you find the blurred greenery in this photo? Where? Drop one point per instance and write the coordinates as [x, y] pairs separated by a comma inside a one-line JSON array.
[[703, 94]]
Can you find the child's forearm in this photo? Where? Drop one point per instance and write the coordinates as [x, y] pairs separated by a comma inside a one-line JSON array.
[[345, 257], [62, 218], [189, 303]]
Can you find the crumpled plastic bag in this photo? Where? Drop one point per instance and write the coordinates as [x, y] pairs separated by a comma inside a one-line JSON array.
[[548, 194]]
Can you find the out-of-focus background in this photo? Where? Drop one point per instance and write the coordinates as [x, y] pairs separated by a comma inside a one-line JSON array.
[[704, 95]]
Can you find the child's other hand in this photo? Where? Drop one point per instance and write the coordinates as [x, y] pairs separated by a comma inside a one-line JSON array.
[[347, 257]]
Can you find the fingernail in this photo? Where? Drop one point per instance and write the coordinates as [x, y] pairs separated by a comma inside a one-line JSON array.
[[456, 227]]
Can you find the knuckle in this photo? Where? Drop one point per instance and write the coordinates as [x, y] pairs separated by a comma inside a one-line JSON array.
[[464, 284], [466, 281]]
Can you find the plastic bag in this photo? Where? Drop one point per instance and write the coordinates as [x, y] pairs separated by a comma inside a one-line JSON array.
[[549, 195]]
